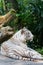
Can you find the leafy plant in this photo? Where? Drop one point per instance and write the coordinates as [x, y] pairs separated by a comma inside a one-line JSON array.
[[31, 16]]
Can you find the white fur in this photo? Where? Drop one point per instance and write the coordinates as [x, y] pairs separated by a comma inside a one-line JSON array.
[[16, 46]]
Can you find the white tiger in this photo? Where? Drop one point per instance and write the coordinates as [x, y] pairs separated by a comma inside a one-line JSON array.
[[16, 46]]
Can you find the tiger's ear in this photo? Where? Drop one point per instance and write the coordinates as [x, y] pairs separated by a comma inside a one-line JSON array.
[[24, 27], [23, 30]]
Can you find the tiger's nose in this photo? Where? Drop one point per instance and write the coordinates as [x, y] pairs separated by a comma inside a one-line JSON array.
[[32, 38]]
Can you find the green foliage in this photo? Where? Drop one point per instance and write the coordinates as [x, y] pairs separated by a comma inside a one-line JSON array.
[[31, 16], [1, 7], [40, 50]]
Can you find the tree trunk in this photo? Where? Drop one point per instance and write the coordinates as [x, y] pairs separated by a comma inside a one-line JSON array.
[[5, 18], [5, 33]]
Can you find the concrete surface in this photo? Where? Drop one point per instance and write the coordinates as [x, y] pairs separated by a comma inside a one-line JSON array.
[[9, 61]]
